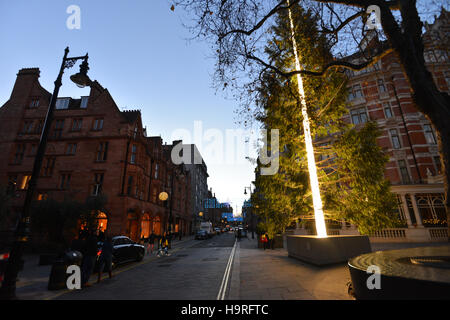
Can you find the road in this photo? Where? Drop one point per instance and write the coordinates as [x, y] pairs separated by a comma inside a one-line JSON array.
[[195, 269]]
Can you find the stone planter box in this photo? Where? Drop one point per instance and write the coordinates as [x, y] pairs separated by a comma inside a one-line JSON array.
[[329, 250]]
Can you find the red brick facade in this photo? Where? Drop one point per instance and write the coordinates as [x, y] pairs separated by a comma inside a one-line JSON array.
[[93, 148], [381, 93]]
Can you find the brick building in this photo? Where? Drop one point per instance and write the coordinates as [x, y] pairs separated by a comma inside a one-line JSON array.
[[93, 148], [381, 93]]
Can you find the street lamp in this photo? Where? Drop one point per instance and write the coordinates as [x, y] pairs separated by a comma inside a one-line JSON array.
[[8, 290], [251, 210]]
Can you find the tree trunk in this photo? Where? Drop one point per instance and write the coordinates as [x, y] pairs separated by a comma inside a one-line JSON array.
[[429, 100]]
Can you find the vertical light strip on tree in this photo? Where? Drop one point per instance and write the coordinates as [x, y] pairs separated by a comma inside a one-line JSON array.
[[314, 181]]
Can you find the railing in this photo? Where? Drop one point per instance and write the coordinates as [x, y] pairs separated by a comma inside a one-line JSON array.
[[438, 233], [389, 233]]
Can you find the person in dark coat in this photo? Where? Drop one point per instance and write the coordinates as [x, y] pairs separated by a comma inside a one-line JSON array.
[[89, 257], [106, 258], [151, 243]]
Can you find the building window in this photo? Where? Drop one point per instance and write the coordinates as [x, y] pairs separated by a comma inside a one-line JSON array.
[[24, 184], [355, 92], [404, 172], [102, 151], [27, 127], [133, 154], [42, 196], [62, 103], [84, 102], [98, 183], [76, 124], [98, 124], [49, 165], [65, 181], [437, 163], [387, 110], [18, 156], [34, 103], [429, 134], [59, 125], [71, 148], [39, 126], [130, 185], [156, 170], [381, 86], [395, 139], [358, 115]]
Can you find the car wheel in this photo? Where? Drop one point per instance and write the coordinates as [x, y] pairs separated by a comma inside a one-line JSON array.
[[140, 256]]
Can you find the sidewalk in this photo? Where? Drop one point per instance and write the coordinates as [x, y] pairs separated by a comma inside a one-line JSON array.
[[33, 279], [260, 274], [272, 275]]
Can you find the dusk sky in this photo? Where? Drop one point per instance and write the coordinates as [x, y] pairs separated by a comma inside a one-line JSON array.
[[138, 51]]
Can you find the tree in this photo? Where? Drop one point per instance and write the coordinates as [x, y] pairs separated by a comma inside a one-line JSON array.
[[237, 27], [353, 189]]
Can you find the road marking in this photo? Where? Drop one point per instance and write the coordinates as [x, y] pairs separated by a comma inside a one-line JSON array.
[[226, 275]]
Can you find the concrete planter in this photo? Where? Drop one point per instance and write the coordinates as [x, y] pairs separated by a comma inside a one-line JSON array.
[[329, 250]]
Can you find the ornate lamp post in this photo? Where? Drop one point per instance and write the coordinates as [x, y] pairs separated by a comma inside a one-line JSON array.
[[251, 210], [8, 290]]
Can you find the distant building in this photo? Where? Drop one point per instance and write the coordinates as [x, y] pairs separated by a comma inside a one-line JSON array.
[[193, 162]]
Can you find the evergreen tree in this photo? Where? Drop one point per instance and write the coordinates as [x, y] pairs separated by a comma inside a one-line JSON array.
[[346, 180]]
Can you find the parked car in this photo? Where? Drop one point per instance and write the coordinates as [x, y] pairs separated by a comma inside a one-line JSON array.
[[124, 250], [201, 235]]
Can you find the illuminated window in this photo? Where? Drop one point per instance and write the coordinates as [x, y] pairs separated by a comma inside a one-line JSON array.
[[24, 183]]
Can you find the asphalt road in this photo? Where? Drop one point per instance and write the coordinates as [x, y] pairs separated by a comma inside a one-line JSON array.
[[194, 270]]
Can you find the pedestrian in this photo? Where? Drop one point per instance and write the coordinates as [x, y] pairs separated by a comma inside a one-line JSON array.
[[105, 261], [161, 243], [89, 257], [239, 234], [179, 235], [264, 240], [151, 243]]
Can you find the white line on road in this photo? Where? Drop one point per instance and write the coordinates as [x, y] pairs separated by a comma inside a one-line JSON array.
[[226, 276]]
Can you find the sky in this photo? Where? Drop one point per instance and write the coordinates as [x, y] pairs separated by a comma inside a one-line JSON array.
[[139, 52]]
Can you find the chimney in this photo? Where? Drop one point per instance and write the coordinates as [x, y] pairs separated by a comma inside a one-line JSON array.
[[25, 81]]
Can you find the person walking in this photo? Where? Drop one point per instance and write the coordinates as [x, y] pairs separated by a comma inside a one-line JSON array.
[[151, 243], [106, 258], [89, 257], [264, 240], [161, 244]]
